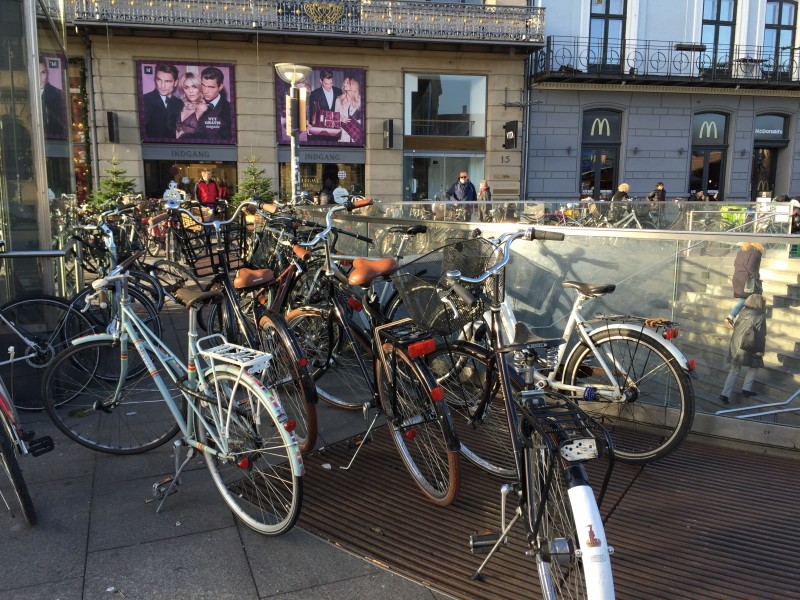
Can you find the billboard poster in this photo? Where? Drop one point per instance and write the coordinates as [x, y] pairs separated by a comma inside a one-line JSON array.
[[52, 74], [186, 103], [335, 107]]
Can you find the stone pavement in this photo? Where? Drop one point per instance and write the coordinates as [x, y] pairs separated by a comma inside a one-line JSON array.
[[99, 536]]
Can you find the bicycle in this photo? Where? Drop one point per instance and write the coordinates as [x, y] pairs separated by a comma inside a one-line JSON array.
[[549, 437], [215, 400], [622, 370], [13, 441], [372, 362]]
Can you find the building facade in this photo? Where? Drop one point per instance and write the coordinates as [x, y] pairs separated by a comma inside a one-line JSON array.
[[698, 94]]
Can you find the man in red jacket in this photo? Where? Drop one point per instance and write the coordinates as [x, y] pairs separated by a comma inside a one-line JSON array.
[[206, 191]]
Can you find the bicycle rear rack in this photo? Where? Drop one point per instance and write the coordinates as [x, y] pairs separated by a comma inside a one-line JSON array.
[[247, 359]]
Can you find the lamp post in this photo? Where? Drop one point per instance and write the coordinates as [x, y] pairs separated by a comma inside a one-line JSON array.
[[293, 74]]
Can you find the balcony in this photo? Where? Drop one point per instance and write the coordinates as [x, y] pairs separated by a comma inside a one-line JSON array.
[[647, 62], [485, 27]]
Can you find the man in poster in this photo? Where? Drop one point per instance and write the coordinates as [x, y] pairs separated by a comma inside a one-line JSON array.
[[215, 123], [54, 110], [322, 102], [161, 108]]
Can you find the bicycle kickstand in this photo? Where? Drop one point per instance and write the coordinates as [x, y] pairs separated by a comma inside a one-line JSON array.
[[478, 542], [364, 438], [160, 488]]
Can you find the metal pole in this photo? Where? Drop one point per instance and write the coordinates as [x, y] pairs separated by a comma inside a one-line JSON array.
[[293, 115]]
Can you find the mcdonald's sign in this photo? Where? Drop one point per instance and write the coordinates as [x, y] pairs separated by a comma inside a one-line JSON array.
[[602, 125], [706, 128]]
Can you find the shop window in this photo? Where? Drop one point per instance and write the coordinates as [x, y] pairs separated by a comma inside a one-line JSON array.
[[445, 105]]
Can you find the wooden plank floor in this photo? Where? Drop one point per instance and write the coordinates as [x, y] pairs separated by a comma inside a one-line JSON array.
[[705, 523]]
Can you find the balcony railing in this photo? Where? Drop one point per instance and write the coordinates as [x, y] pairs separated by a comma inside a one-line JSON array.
[[654, 62], [379, 19]]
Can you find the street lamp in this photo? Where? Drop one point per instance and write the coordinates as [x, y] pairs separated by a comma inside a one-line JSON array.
[[293, 74]]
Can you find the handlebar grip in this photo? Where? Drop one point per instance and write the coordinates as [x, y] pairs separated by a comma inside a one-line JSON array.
[[539, 234], [465, 295], [359, 203], [269, 207]]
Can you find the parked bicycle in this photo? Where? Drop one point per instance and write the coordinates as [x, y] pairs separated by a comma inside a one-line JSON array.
[[548, 437]]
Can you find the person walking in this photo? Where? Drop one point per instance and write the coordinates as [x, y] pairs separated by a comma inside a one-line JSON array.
[[485, 199], [747, 264], [463, 191], [659, 194], [206, 191], [746, 348]]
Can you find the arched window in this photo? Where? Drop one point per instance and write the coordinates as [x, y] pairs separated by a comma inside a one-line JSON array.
[[709, 153], [600, 144]]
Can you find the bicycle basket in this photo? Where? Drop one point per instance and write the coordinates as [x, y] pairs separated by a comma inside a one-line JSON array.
[[417, 283], [199, 244]]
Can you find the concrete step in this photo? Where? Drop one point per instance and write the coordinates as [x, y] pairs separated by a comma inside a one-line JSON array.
[[709, 320]]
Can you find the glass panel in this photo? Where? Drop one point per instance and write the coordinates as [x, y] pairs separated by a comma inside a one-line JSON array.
[[710, 10], [762, 178], [696, 171], [598, 6], [773, 8], [715, 170], [770, 38], [608, 167], [616, 7], [445, 105], [709, 128], [727, 10], [788, 14], [429, 177], [786, 39], [598, 172], [588, 171], [318, 177]]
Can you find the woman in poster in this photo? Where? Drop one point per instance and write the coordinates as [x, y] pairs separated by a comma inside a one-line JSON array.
[[348, 105], [193, 104]]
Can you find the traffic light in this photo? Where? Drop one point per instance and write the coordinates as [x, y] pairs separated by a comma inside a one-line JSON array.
[[510, 130]]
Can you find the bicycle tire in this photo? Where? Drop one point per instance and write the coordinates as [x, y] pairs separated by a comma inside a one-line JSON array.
[[84, 376], [8, 456], [51, 323], [289, 377], [461, 370], [332, 358], [102, 317], [572, 554], [173, 276], [267, 480], [420, 427], [657, 418], [149, 285]]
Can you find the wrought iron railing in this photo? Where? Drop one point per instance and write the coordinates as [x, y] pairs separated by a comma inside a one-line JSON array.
[[655, 60], [383, 19]]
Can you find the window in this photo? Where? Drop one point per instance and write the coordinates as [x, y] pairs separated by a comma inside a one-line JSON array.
[[709, 150], [428, 176], [606, 34], [599, 152], [779, 38], [445, 105], [719, 20]]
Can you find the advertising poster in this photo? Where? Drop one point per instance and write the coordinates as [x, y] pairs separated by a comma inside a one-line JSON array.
[[335, 107], [52, 71], [181, 102]]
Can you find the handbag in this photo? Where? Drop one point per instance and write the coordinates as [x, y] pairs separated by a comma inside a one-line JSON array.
[[752, 285]]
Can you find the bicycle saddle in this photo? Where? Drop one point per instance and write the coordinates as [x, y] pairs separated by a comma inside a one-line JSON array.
[[189, 297], [250, 278], [413, 230], [365, 270], [589, 289]]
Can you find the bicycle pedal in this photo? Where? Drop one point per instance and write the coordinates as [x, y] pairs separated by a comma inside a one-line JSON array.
[[41, 445], [481, 542], [355, 443], [160, 488]]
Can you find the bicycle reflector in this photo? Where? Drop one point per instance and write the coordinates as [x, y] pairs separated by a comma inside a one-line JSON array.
[[437, 394], [410, 434], [691, 364], [290, 425], [244, 463], [421, 348], [671, 333], [303, 362], [355, 304]]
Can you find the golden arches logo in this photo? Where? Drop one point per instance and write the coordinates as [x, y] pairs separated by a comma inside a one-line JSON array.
[[706, 128], [601, 124]]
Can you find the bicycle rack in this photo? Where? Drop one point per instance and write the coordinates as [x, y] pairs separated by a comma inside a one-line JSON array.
[[757, 409]]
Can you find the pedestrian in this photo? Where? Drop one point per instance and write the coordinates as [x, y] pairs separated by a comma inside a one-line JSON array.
[[621, 193], [206, 191], [746, 348], [746, 266], [659, 194], [463, 191], [698, 196], [485, 199], [794, 225]]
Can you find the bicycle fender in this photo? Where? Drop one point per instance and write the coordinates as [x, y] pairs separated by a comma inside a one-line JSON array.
[[93, 337], [645, 331]]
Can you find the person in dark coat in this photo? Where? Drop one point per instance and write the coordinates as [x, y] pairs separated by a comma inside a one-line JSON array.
[[161, 109], [659, 194], [747, 345], [746, 263], [463, 191], [215, 122]]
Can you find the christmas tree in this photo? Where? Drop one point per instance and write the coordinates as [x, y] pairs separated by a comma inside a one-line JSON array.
[[253, 184], [111, 188]]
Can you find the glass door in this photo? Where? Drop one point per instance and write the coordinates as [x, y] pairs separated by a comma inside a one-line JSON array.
[[762, 172], [598, 172], [707, 171]]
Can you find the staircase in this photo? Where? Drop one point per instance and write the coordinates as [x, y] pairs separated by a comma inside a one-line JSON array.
[[704, 299]]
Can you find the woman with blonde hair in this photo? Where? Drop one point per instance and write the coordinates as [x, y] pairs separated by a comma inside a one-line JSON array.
[[348, 105], [194, 105], [747, 264]]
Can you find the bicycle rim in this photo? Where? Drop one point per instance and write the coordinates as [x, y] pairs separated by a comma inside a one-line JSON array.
[[332, 358], [290, 379], [658, 414], [79, 391], [421, 430], [462, 371], [257, 484], [19, 488]]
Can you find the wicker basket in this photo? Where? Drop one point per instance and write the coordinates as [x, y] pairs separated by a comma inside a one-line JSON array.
[[418, 284]]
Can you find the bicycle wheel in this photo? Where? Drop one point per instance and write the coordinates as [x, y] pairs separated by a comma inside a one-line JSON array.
[[462, 371], [50, 323], [570, 547], [658, 408], [332, 358], [173, 277], [289, 377], [8, 456], [420, 427], [79, 393], [148, 285], [308, 288], [258, 484], [102, 318]]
